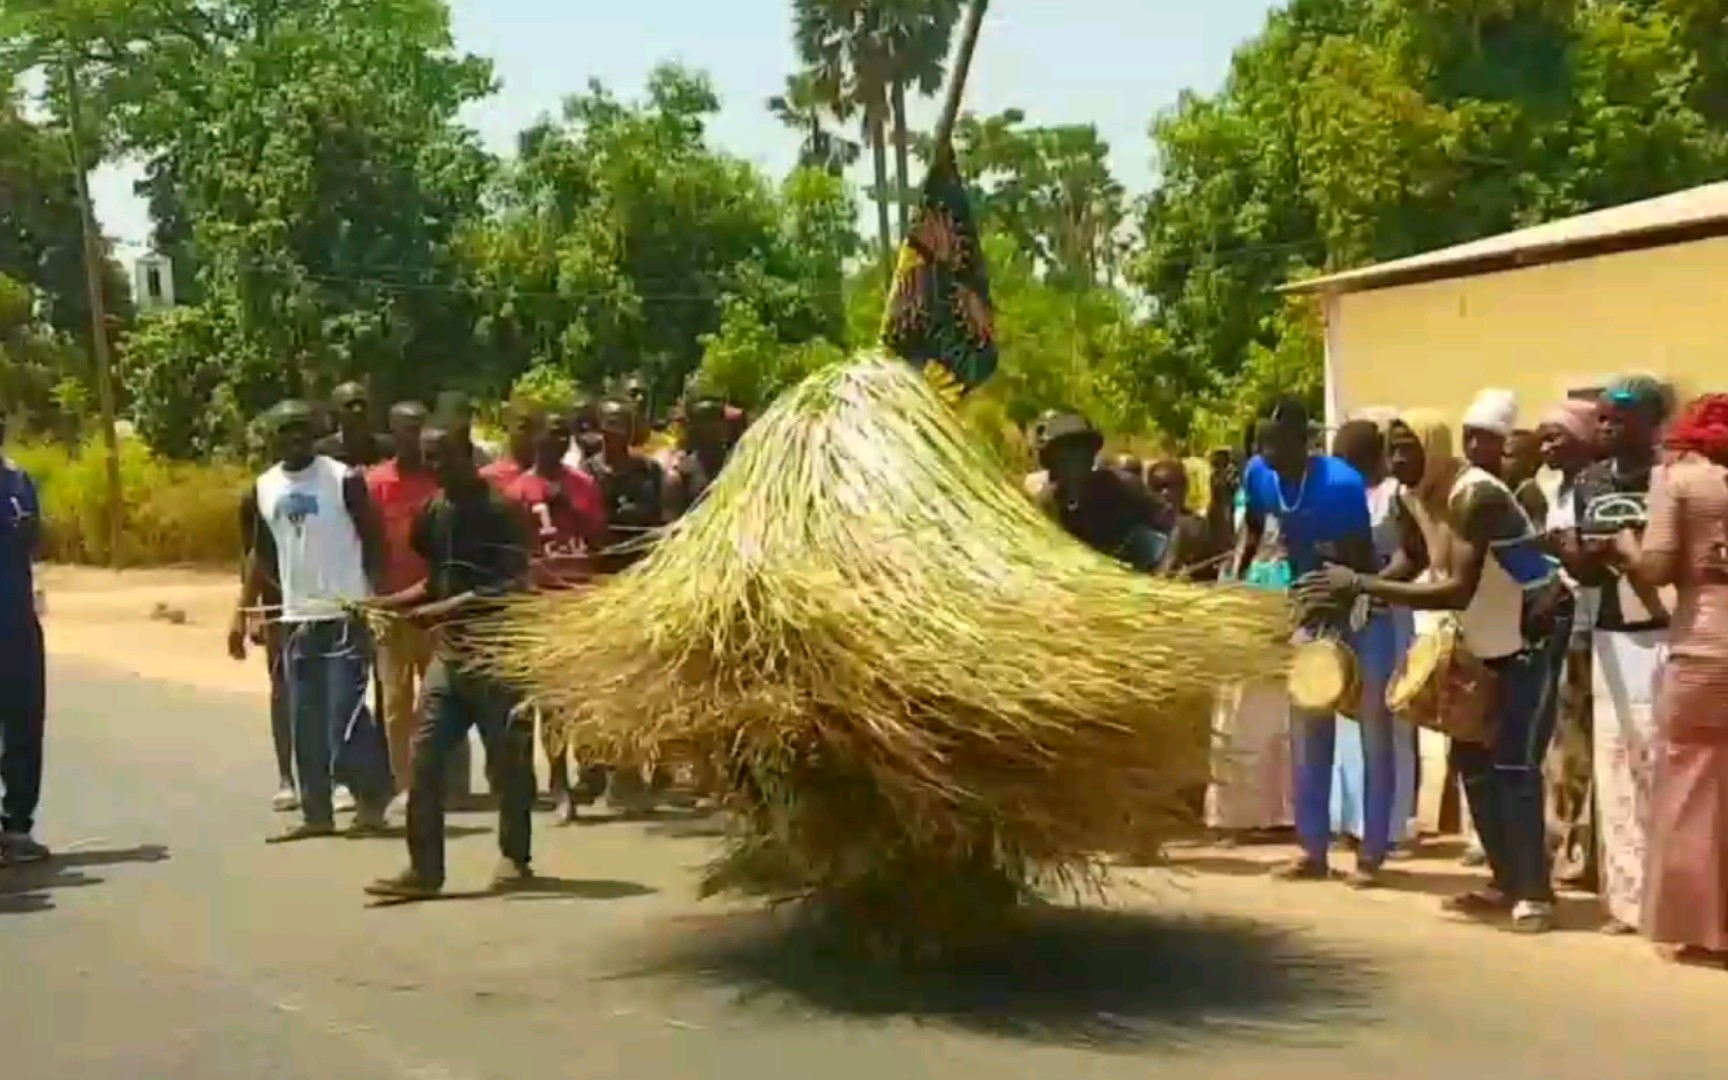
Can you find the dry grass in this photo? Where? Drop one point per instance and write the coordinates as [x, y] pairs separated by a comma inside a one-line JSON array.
[[924, 700], [174, 513]]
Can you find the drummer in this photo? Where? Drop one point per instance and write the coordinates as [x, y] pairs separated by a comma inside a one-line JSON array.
[[1320, 505], [1516, 616]]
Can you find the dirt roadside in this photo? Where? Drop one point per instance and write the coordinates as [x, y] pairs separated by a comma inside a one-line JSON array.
[[158, 624]]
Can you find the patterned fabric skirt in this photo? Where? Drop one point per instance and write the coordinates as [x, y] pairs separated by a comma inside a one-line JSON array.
[[1567, 772], [1253, 786], [1623, 684], [1686, 877]]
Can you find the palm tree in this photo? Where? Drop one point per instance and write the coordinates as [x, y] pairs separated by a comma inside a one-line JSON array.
[[918, 36], [805, 106], [840, 42]]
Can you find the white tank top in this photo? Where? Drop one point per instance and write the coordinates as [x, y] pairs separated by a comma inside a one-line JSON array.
[[318, 554], [1493, 623]]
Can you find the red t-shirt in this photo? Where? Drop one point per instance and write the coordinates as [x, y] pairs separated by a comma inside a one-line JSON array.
[[569, 519], [502, 473], [400, 497]]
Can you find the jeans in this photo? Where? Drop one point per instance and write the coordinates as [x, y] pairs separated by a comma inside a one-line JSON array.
[[328, 664], [1313, 744], [1503, 782], [281, 712], [23, 710], [456, 700]]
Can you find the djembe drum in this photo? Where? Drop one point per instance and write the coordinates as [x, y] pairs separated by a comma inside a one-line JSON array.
[[1440, 685]]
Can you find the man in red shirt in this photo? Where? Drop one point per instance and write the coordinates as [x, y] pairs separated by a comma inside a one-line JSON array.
[[400, 488], [568, 523]]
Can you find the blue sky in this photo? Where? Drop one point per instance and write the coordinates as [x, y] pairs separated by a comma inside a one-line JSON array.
[[1114, 63]]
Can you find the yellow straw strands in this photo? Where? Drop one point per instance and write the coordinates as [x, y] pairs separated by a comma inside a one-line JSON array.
[[921, 699]]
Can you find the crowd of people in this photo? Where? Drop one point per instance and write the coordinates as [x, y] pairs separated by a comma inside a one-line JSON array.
[[1582, 565], [366, 553]]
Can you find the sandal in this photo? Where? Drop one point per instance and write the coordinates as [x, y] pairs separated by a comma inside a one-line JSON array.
[[1532, 917], [303, 831], [1693, 956], [1303, 869], [1477, 903]]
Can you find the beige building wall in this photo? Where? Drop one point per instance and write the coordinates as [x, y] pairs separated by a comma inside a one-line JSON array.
[[1540, 331]]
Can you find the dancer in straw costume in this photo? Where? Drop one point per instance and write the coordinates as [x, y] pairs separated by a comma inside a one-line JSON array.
[[1686, 546], [841, 628]]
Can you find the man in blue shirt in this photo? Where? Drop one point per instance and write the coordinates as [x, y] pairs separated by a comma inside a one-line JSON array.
[[1321, 504], [23, 676]]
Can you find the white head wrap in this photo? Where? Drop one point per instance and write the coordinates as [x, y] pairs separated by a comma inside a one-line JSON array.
[[1494, 411]]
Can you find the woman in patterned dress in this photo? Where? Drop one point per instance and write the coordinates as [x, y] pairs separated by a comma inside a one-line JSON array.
[[1685, 900]]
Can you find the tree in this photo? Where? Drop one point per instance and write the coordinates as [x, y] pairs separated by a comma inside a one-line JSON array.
[[1356, 131], [622, 240], [919, 34], [804, 107], [842, 44], [1050, 188]]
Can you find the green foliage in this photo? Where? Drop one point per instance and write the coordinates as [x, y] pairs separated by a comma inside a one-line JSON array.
[[197, 382], [622, 238], [172, 514], [746, 362]]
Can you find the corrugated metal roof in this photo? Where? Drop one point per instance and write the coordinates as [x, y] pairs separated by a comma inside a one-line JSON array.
[[1683, 215]]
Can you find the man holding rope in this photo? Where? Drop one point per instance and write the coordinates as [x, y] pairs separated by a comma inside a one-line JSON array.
[[317, 530], [475, 544]]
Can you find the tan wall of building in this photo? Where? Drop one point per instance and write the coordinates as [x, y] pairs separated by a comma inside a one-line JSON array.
[[1539, 331]]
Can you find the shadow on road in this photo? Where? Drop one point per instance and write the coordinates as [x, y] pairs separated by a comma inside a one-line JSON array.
[[30, 888], [1073, 976]]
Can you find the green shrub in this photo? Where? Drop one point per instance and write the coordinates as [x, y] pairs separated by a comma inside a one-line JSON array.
[[174, 513]]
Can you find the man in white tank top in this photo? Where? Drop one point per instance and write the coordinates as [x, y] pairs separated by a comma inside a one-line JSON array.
[[317, 535], [1516, 616]]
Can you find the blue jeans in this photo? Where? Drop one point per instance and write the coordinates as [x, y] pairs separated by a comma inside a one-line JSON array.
[[1313, 744], [1503, 782], [328, 665]]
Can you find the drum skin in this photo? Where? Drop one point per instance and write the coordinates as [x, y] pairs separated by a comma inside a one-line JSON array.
[[1325, 677], [1441, 686]]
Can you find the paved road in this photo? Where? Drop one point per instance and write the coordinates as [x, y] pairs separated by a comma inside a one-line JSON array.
[[169, 942]]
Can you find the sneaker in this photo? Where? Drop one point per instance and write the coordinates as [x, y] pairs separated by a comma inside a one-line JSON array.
[[1532, 917], [563, 809], [511, 874], [369, 820], [21, 848], [342, 799], [408, 885], [287, 800], [302, 831]]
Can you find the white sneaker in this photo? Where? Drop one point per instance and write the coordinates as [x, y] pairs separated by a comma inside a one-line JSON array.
[[343, 799], [287, 800]]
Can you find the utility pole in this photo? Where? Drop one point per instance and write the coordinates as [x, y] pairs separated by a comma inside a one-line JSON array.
[[98, 313]]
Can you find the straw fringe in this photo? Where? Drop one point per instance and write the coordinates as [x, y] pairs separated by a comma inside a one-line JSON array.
[[894, 661]]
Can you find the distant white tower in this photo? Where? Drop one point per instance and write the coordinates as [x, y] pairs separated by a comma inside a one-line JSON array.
[[153, 282]]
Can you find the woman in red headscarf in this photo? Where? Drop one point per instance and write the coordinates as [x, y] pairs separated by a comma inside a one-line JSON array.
[[1685, 545]]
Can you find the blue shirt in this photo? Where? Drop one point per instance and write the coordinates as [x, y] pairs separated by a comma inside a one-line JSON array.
[[1329, 504], [18, 509]]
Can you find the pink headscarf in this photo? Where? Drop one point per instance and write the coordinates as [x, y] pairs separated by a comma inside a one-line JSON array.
[[1575, 418]]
